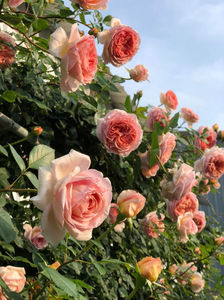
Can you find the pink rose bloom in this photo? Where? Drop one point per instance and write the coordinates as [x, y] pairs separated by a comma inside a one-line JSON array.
[[34, 235], [167, 143], [14, 278], [169, 99], [151, 225], [7, 52], [199, 220], [139, 73], [185, 226], [15, 3], [120, 132], [130, 203], [188, 203], [78, 57], [182, 182], [212, 163], [157, 114], [189, 116], [210, 139], [92, 4], [197, 282], [113, 218], [121, 43], [72, 197]]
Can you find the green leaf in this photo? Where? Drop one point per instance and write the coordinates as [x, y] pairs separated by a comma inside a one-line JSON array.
[[3, 151], [17, 158], [40, 156], [4, 175], [174, 121], [99, 268], [7, 229], [83, 284], [154, 151], [9, 96], [107, 20], [39, 25], [10, 18], [61, 281], [33, 178], [128, 105]]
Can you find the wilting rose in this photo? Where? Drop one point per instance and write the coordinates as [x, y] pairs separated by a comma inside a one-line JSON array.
[[7, 52], [185, 226], [188, 203], [210, 138], [78, 57], [212, 163], [173, 268], [120, 132], [150, 267], [139, 73], [72, 197], [15, 3], [92, 4], [34, 235], [197, 282], [219, 240], [130, 203], [157, 114], [113, 218], [14, 277], [152, 225], [199, 220], [167, 143], [182, 182], [189, 116], [121, 43], [169, 99]]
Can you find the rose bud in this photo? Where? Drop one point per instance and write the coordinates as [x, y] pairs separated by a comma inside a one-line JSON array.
[[130, 203], [150, 267]]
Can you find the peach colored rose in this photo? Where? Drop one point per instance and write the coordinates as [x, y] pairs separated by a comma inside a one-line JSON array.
[[72, 197], [150, 267], [157, 114], [219, 240], [92, 4], [186, 226], [199, 220], [169, 99], [34, 235], [14, 277], [121, 43], [188, 203], [152, 225], [7, 51], [189, 116], [167, 143], [210, 138], [113, 213], [173, 268], [139, 73], [182, 182], [120, 132], [78, 57], [130, 203], [15, 3], [197, 282], [212, 163]]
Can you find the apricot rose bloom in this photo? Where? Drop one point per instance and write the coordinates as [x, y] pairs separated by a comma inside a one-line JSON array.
[[72, 197], [150, 267], [92, 4], [197, 282], [120, 132], [121, 43], [7, 52], [130, 203], [210, 138], [139, 73], [186, 226], [152, 225], [78, 57], [34, 235], [189, 116], [169, 99], [157, 114]]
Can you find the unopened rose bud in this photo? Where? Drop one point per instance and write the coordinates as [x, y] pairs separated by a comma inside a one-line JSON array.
[[222, 134], [139, 93], [197, 250], [219, 240], [215, 183], [94, 31], [55, 265], [215, 127], [130, 203], [150, 267], [37, 130]]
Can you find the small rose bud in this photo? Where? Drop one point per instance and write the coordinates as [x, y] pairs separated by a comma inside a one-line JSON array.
[[150, 267], [94, 31], [172, 269], [215, 127], [139, 93], [219, 240], [197, 250], [37, 130], [130, 203], [222, 134]]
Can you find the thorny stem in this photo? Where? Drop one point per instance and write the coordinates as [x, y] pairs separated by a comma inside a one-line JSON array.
[[18, 190]]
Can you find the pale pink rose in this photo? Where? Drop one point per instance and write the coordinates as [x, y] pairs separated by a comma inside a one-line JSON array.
[[78, 57], [7, 51], [152, 225], [197, 282], [119, 227], [188, 203], [113, 218], [167, 143], [92, 4], [210, 139], [15, 3], [199, 220], [130, 203], [14, 277], [34, 235], [212, 163], [139, 73], [189, 116], [169, 99], [182, 182], [121, 43], [157, 114], [72, 197], [120, 132], [186, 226]]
